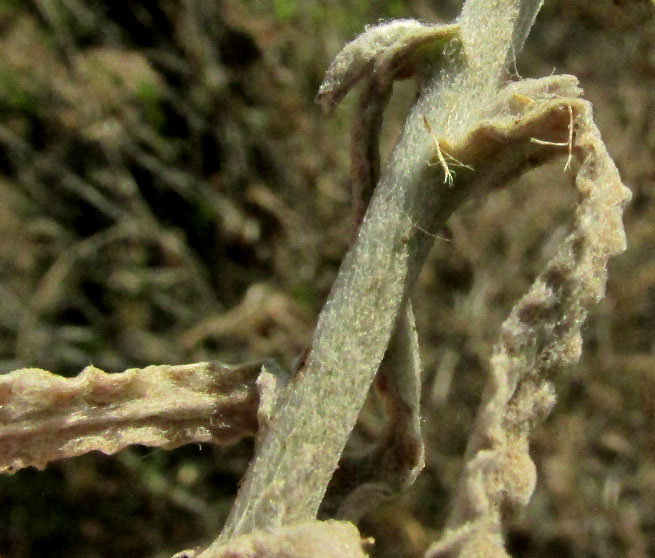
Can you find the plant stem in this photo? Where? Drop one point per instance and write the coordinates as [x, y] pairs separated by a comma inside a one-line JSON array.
[[294, 462]]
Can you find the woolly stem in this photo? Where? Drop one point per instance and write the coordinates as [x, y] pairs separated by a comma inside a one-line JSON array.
[[286, 481]]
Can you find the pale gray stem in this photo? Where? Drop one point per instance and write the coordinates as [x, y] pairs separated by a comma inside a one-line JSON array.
[[287, 479], [365, 480]]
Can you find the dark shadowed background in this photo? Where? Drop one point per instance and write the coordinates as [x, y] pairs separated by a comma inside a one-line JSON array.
[[170, 193]]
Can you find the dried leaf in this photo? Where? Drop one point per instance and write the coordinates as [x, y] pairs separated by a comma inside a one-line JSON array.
[[543, 331], [44, 417], [327, 539], [387, 50]]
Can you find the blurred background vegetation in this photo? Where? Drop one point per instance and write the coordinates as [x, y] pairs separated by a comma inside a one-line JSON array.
[[169, 193]]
